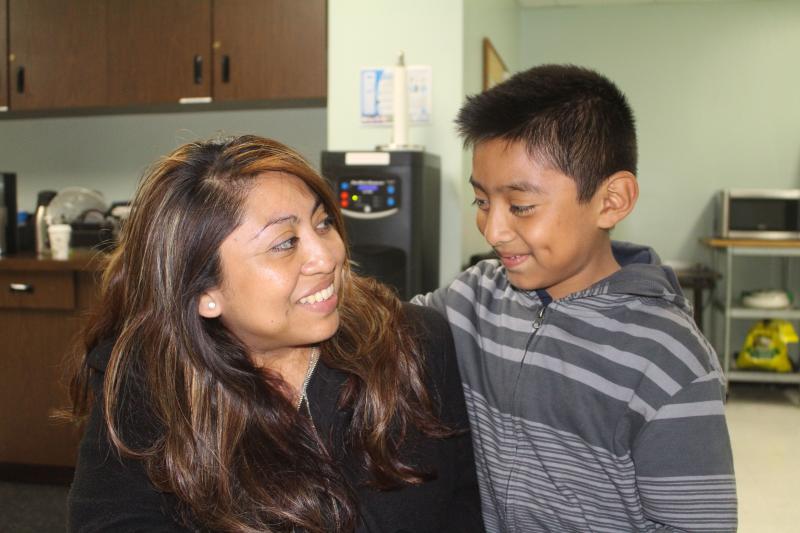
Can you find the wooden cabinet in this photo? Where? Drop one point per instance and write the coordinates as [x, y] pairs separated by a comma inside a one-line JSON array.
[[59, 50], [158, 51], [270, 49], [3, 55], [69, 54], [41, 305]]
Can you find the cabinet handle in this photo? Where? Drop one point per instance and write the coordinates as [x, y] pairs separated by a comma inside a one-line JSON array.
[[20, 287], [226, 69], [198, 70], [20, 80]]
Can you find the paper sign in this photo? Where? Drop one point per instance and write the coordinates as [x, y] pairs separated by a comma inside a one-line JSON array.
[[376, 94]]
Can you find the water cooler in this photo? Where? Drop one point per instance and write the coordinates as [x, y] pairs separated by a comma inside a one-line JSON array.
[[391, 206]]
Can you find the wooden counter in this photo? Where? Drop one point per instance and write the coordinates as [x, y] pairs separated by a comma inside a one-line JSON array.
[[715, 242], [42, 307]]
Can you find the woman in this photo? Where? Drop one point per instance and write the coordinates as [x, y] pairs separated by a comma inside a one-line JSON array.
[[239, 377]]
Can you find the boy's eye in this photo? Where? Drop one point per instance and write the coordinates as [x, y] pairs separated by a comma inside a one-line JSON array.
[[286, 245], [481, 204], [520, 210]]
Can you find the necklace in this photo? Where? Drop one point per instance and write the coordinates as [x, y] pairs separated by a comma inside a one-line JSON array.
[[312, 364]]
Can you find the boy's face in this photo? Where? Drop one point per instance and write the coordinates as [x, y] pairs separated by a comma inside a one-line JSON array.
[[529, 213]]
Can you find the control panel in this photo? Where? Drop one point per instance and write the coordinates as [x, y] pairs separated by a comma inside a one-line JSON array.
[[367, 197]]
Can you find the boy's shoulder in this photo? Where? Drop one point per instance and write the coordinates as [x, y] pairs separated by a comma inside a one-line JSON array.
[[486, 283], [657, 328]]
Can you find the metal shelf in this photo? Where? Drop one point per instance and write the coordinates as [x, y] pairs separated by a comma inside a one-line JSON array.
[[759, 314], [723, 253], [764, 377]]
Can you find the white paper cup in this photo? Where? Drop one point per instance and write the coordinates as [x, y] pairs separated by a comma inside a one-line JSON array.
[[59, 240]]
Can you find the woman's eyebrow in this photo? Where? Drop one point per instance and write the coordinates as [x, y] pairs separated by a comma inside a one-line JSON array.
[[280, 219]]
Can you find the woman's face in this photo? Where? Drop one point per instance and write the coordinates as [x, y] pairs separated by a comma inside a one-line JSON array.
[[281, 270]]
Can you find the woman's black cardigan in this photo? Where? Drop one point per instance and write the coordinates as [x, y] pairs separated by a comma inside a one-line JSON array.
[[114, 494]]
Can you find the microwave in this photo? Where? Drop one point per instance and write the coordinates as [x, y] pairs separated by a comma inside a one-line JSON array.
[[759, 214]]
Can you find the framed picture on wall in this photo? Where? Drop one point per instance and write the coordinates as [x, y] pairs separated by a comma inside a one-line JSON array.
[[494, 68]]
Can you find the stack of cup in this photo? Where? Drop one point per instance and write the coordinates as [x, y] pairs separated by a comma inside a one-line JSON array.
[[59, 240]]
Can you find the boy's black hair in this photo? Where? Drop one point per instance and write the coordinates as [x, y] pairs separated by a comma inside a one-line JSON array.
[[569, 117]]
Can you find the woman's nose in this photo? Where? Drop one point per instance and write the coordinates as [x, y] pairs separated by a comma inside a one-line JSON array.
[[320, 257]]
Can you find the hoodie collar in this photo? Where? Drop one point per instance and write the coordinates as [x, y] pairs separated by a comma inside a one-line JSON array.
[[642, 274]]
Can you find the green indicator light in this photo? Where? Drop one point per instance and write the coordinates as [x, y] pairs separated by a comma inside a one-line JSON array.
[[355, 197]]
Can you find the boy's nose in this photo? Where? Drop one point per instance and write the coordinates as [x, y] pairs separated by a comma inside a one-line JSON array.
[[495, 229]]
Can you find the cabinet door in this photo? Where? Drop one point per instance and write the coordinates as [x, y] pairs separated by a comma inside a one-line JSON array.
[[39, 330], [270, 49], [59, 53], [3, 55], [34, 385], [158, 52]]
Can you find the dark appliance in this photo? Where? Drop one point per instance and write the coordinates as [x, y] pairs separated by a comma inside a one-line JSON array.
[[758, 214], [391, 206], [8, 213]]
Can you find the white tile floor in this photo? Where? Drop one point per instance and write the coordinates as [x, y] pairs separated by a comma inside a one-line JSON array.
[[764, 424]]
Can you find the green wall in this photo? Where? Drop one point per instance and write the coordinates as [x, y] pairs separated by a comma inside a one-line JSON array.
[[499, 21], [109, 153], [369, 33], [714, 87]]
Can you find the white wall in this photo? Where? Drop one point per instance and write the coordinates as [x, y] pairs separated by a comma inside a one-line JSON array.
[[368, 33], [109, 153], [714, 87]]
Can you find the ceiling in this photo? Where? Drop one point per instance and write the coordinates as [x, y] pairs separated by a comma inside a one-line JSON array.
[[554, 3]]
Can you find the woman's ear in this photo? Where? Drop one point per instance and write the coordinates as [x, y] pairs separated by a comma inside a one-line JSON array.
[[210, 304], [618, 197]]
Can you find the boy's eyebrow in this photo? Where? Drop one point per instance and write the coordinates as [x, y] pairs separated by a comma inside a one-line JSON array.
[[519, 186], [476, 184]]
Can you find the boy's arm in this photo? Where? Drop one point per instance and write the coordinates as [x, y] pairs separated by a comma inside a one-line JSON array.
[[684, 463], [434, 300]]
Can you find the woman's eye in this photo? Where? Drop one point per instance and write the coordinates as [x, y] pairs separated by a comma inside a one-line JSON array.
[[522, 209], [325, 224], [481, 204], [286, 245]]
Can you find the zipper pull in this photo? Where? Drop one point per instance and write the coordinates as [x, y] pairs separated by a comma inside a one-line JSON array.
[[538, 322]]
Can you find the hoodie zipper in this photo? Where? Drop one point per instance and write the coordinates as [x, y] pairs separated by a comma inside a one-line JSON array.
[[535, 325]]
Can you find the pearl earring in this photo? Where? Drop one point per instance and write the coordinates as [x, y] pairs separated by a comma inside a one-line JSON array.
[[212, 305]]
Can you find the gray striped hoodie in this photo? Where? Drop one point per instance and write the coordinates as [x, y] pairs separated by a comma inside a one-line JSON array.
[[599, 411]]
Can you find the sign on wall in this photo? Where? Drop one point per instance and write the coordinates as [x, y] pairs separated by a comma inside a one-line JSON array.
[[377, 92]]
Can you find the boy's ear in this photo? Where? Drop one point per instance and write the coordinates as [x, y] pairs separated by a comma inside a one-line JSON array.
[[210, 304], [618, 195]]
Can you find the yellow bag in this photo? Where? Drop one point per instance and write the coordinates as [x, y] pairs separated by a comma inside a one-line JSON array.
[[765, 346]]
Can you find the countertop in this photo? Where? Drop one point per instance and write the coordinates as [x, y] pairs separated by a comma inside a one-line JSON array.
[[79, 260]]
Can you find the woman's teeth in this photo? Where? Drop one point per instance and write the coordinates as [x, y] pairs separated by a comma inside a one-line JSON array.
[[318, 296]]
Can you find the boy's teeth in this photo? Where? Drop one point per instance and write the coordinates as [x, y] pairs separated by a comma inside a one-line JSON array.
[[318, 296]]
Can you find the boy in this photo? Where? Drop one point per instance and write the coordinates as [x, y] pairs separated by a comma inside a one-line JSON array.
[[595, 403]]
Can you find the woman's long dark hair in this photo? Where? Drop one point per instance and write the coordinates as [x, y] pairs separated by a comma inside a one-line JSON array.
[[225, 438]]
